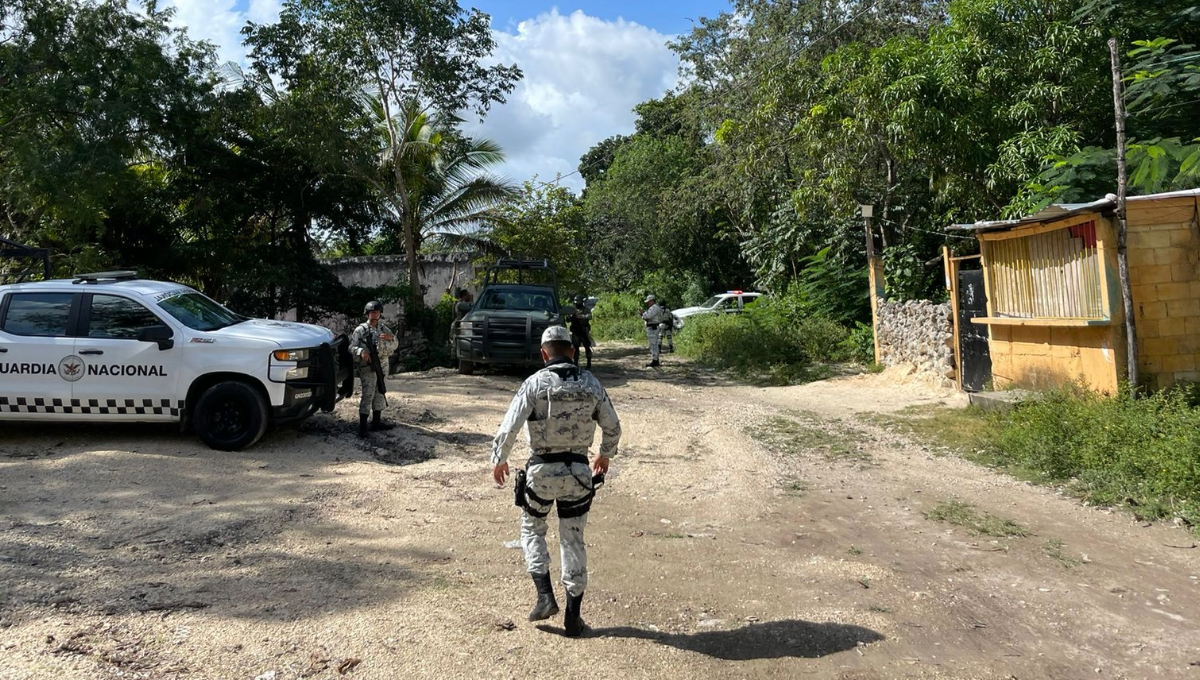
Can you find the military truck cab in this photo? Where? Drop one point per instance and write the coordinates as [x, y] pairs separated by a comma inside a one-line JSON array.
[[504, 325], [110, 347]]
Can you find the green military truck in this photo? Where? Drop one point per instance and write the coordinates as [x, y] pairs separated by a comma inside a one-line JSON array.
[[504, 326]]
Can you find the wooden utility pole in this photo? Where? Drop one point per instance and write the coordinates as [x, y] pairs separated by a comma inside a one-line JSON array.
[[875, 274], [1131, 344]]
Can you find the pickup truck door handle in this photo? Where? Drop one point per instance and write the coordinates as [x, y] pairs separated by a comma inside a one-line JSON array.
[[3, 350], [91, 351]]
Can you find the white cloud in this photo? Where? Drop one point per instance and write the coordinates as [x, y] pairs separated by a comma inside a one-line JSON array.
[[583, 76], [220, 22]]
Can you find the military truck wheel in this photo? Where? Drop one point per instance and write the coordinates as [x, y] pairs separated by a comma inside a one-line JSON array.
[[230, 416], [466, 367]]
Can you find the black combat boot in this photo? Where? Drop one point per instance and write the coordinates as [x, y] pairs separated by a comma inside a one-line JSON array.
[[572, 622], [362, 424], [546, 605], [652, 364], [377, 421]]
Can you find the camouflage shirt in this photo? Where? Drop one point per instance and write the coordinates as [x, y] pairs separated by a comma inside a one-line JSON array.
[[358, 342], [656, 314], [561, 406]]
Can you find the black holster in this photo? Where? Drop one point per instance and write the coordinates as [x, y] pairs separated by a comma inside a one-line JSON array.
[[519, 481]]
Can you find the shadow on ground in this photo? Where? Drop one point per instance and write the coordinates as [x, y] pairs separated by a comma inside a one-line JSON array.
[[772, 640]]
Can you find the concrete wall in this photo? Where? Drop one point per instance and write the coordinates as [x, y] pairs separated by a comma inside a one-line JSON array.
[[1038, 357], [1164, 270], [440, 273]]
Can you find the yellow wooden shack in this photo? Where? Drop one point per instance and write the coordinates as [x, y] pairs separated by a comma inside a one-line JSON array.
[[1054, 310]]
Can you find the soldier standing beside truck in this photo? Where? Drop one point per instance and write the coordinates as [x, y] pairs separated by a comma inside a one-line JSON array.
[[371, 344]]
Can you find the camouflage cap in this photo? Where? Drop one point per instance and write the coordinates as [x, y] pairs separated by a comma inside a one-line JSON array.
[[556, 334], [649, 298]]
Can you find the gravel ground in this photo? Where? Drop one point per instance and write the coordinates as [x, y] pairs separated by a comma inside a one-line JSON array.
[[716, 552]]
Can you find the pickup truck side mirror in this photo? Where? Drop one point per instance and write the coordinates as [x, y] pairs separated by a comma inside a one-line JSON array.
[[158, 334], [463, 307]]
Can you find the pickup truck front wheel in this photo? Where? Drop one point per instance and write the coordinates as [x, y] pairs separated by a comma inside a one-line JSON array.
[[230, 416], [466, 367]]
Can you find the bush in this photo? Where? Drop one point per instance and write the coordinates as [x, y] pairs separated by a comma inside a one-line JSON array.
[[860, 344], [1114, 449], [618, 316]]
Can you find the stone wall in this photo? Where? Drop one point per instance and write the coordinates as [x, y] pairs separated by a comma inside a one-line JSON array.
[[439, 274], [917, 332]]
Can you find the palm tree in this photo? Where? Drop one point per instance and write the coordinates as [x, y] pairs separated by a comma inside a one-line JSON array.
[[437, 184]]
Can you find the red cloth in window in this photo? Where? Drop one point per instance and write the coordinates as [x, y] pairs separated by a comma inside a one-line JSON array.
[[1086, 232]]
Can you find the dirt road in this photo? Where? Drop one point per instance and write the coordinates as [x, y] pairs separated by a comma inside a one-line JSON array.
[[744, 532]]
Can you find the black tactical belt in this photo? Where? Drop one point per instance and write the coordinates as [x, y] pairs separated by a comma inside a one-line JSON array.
[[565, 457]]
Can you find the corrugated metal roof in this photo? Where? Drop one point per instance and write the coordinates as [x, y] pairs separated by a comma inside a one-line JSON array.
[[1060, 210]]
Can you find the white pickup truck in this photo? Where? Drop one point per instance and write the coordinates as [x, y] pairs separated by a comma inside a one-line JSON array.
[[112, 347]]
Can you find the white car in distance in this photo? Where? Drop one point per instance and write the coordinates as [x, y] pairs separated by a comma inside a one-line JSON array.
[[729, 302]]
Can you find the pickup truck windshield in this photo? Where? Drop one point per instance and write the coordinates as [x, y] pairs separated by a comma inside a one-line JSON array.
[[712, 302], [198, 312], [519, 301]]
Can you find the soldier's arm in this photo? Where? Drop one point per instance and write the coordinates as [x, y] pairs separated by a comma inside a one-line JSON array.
[[388, 347], [518, 412], [610, 425], [356, 342]]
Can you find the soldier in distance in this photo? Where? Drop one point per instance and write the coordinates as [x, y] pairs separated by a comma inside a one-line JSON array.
[[560, 407], [371, 334], [654, 316], [581, 330]]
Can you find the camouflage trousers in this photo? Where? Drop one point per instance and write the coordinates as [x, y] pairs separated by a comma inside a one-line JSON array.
[[565, 483], [652, 337], [371, 400]]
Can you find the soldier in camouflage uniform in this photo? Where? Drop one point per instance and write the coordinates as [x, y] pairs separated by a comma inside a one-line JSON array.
[[654, 316], [371, 332], [561, 406]]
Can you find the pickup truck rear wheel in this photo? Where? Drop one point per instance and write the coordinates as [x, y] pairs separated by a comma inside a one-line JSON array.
[[466, 367], [230, 416]]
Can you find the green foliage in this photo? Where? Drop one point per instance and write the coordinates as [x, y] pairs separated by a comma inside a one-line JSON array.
[[773, 338], [543, 222], [434, 323], [860, 345], [1123, 449], [618, 316]]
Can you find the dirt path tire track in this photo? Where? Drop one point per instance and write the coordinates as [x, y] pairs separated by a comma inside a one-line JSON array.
[[314, 548]]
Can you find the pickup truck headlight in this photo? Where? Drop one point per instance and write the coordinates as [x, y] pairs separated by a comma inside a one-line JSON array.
[[466, 325], [291, 355], [296, 373]]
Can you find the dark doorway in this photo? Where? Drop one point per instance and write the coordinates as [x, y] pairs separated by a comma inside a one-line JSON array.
[[972, 337]]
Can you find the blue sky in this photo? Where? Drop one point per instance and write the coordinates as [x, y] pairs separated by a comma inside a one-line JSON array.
[[586, 64], [664, 16]]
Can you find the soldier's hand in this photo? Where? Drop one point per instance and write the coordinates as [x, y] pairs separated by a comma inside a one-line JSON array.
[[388, 337], [366, 356], [600, 465], [500, 473]]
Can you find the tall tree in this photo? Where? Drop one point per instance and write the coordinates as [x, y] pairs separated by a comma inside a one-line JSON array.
[[426, 51]]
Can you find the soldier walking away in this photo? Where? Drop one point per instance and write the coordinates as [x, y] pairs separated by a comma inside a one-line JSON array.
[[462, 305], [560, 407], [581, 330], [666, 330], [371, 344], [653, 316]]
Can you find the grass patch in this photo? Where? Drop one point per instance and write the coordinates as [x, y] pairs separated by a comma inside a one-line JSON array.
[[854, 550], [796, 488], [800, 433], [1053, 548], [879, 609], [674, 534], [981, 524], [1139, 452]]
